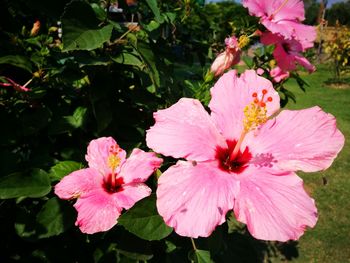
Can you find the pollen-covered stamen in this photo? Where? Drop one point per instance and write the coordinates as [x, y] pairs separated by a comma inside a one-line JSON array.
[[113, 161], [255, 114]]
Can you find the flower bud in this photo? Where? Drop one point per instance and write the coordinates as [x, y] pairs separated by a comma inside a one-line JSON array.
[[228, 58]]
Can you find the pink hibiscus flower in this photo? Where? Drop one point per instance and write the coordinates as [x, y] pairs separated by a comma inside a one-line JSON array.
[[228, 58], [287, 52], [110, 184], [283, 17], [240, 157], [278, 74]]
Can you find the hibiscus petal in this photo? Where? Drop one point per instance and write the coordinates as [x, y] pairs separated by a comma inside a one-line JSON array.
[[139, 166], [288, 10], [97, 211], [305, 63], [305, 34], [284, 60], [274, 205], [98, 152], [184, 130], [78, 183], [131, 194], [256, 7], [232, 93], [194, 198], [306, 140], [283, 27]]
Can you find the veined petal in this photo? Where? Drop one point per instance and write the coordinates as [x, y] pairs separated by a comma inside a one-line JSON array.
[[98, 153], [276, 9], [194, 198], [131, 194], [274, 205], [288, 10], [306, 140], [139, 166], [232, 93], [78, 183], [184, 130], [97, 211]]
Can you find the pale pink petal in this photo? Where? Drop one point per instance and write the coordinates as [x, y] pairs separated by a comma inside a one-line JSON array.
[[224, 61], [306, 140], [131, 193], [256, 7], [305, 34], [274, 205], [98, 152], [288, 10], [282, 27], [78, 183], [139, 166], [278, 74], [185, 130], [97, 211], [232, 93], [194, 198], [305, 63]]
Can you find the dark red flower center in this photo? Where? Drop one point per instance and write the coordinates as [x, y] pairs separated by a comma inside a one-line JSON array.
[[237, 165], [286, 47], [110, 188]]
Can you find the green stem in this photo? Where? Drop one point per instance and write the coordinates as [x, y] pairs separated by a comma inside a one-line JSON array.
[[193, 244]]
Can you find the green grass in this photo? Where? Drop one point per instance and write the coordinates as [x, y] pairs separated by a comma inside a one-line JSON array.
[[329, 241]]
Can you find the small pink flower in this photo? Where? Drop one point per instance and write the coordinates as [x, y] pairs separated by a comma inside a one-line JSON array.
[[278, 74], [15, 85], [287, 52], [283, 17], [260, 71], [228, 58], [110, 184], [239, 157]]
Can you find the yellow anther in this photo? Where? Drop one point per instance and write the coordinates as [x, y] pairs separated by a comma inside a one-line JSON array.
[[113, 161], [243, 41], [255, 115]]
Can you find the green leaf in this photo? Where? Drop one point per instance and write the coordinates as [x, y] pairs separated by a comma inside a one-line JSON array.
[[144, 221], [153, 25], [64, 168], [54, 218], [150, 60], [200, 256], [81, 29], [128, 59], [17, 61], [33, 184], [134, 255], [78, 117], [154, 7], [99, 11], [248, 61]]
